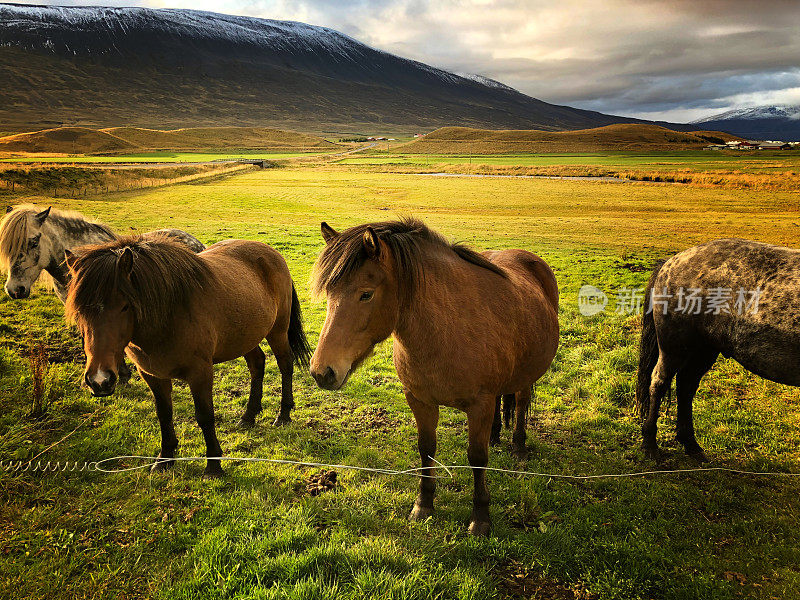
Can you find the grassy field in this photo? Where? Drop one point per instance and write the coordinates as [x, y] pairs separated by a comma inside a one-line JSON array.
[[260, 534], [696, 160]]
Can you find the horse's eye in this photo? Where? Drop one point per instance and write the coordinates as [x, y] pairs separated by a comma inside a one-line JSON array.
[[34, 242], [125, 307], [366, 296]]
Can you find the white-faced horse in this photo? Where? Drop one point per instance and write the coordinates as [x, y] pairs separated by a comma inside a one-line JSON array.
[[33, 239]]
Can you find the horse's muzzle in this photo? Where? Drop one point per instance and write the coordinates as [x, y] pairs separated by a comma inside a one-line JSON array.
[[19, 292], [327, 380], [101, 386]]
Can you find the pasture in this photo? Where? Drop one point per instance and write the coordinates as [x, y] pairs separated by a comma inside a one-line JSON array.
[[264, 532]]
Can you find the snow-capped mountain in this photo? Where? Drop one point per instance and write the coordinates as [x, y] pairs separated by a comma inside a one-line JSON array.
[[100, 65], [760, 122]]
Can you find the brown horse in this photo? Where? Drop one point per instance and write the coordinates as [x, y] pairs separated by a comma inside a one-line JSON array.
[[176, 314], [467, 328]]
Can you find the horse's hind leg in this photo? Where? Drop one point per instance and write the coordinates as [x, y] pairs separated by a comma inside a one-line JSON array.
[[660, 381], [497, 423], [686, 384], [523, 403], [427, 418], [162, 392], [255, 363], [201, 385], [279, 343]]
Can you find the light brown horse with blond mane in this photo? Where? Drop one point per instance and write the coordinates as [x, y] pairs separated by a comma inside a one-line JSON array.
[[176, 314], [467, 327]]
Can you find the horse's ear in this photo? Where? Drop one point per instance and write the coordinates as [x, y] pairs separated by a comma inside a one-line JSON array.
[[372, 243], [70, 259], [40, 217], [328, 233], [125, 262]]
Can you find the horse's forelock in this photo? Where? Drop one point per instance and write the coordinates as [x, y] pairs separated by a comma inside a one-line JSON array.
[[14, 234], [164, 276]]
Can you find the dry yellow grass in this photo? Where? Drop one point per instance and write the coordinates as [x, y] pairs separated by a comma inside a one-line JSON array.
[[457, 140]]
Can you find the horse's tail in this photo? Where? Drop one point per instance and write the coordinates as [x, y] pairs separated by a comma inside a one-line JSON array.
[[648, 350], [297, 337]]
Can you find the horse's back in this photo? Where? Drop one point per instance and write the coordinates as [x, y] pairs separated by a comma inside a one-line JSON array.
[[527, 266], [754, 316], [253, 293]]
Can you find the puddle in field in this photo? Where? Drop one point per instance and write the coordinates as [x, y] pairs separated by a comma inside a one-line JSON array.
[[568, 177], [478, 175]]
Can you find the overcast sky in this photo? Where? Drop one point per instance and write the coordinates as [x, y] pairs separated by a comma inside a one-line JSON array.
[[658, 59]]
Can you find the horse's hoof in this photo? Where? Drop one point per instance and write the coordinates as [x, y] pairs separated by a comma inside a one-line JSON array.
[[520, 454], [162, 465], [652, 452], [698, 455], [281, 420], [420, 513], [213, 473], [480, 528], [493, 441], [246, 423]]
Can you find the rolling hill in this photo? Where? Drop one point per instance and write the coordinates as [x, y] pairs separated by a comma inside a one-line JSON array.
[[115, 140], [457, 140], [101, 67]]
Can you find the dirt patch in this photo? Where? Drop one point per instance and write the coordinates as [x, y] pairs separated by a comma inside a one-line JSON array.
[[515, 580]]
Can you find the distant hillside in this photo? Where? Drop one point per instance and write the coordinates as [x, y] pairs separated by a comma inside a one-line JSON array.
[[99, 66], [457, 140], [759, 123], [65, 140], [81, 140]]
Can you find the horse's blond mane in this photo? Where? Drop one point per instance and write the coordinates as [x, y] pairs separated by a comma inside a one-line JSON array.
[[14, 228]]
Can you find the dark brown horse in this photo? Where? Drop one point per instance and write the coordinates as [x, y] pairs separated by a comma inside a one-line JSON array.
[[176, 314], [467, 328], [731, 297]]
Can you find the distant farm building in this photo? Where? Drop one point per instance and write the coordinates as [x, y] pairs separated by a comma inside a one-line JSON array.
[[774, 146]]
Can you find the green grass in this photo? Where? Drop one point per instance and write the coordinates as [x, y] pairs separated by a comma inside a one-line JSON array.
[[176, 157], [693, 160], [258, 534]]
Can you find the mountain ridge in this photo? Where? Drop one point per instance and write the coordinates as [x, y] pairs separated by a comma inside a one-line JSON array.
[[106, 66], [773, 122]]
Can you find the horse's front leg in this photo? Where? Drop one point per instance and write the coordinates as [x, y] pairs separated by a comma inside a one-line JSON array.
[[255, 363], [123, 371], [279, 344], [162, 393], [201, 383], [479, 419], [427, 417]]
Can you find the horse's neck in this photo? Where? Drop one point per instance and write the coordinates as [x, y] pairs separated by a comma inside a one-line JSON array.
[[65, 233], [439, 298]]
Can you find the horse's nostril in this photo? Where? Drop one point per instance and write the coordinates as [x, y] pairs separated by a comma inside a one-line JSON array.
[[112, 380], [325, 380], [87, 380]]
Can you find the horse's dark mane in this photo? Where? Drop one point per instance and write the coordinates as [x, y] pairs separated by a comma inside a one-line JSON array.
[[345, 254], [165, 276]]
